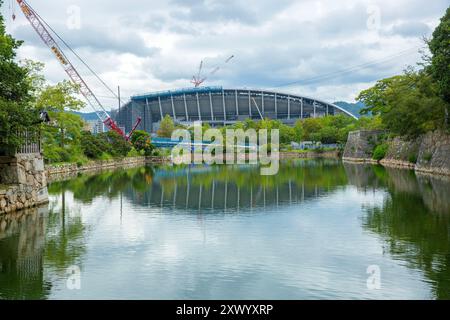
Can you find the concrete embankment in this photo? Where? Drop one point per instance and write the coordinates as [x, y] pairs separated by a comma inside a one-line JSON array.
[[429, 153]]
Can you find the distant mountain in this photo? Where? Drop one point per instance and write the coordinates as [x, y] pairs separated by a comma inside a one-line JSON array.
[[90, 116], [353, 108]]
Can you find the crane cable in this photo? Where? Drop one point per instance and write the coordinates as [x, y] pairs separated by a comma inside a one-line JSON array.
[[348, 70], [76, 54]]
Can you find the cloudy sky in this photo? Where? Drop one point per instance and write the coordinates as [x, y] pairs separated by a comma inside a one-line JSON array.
[[321, 48]]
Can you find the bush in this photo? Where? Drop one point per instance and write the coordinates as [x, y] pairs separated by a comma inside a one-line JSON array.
[[119, 146], [380, 151], [142, 142], [105, 156], [412, 158], [94, 146], [427, 156], [133, 153]]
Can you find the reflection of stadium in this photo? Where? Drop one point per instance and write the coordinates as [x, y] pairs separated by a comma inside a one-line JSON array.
[[190, 189], [219, 106]]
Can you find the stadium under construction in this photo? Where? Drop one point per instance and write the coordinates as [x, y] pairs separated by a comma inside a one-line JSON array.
[[218, 106]]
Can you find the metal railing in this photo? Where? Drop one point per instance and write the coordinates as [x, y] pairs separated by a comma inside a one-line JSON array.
[[31, 142]]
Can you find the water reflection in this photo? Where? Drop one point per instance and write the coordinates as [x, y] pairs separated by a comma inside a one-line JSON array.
[[413, 221], [198, 188], [22, 242], [36, 246], [409, 213]]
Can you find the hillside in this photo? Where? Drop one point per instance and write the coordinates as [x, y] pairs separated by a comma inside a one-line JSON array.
[[353, 108], [90, 116]]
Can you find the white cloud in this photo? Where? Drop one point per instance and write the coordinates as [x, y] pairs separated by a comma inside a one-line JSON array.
[[154, 45]]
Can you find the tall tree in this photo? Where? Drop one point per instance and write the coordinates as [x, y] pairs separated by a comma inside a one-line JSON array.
[[17, 112], [166, 127], [408, 104], [62, 137], [440, 61]]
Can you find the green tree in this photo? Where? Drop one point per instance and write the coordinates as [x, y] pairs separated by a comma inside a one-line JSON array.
[[17, 112], [287, 134], [440, 62], [310, 126], [142, 142], [408, 104], [119, 146], [166, 127], [95, 146], [61, 141], [299, 132]]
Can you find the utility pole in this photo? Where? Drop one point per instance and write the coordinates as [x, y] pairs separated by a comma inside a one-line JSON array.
[[118, 96], [120, 105]]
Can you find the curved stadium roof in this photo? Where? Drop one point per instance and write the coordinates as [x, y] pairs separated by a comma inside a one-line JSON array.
[[218, 105]]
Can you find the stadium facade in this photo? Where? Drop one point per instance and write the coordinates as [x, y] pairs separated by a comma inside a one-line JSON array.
[[218, 106]]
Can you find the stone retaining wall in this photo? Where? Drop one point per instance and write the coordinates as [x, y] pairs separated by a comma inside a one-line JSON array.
[[23, 182], [429, 153], [309, 154], [360, 144], [65, 171], [434, 153]]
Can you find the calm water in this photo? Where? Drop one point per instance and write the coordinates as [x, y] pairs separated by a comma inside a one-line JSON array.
[[309, 232]]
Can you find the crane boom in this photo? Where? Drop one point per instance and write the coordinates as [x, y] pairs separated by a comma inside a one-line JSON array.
[[40, 28], [199, 78]]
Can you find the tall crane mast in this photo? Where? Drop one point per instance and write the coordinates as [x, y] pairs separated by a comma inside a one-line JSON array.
[[40, 28]]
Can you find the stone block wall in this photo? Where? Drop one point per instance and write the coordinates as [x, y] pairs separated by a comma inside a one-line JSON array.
[[23, 182], [434, 153], [429, 153], [360, 144]]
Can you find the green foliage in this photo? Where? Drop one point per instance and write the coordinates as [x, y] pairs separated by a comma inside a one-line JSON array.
[[134, 153], [408, 104], [412, 158], [416, 101], [17, 112], [62, 139], [287, 134], [428, 156], [94, 146], [166, 127], [440, 62], [380, 151], [142, 142], [329, 129], [119, 146]]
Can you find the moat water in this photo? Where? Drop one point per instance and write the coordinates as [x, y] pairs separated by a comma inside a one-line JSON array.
[[313, 231]]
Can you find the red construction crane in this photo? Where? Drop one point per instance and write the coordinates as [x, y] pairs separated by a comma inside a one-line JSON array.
[[198, 79], [40, 27]]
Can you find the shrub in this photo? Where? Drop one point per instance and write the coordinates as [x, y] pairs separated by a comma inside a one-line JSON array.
[[105, 156], [380, 151], [412, 158], [427, 156], [119, 146], [94, 145], [133, 153]]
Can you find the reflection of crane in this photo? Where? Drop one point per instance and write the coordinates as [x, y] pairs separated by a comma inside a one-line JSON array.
[[42, 29], [198, 79]]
